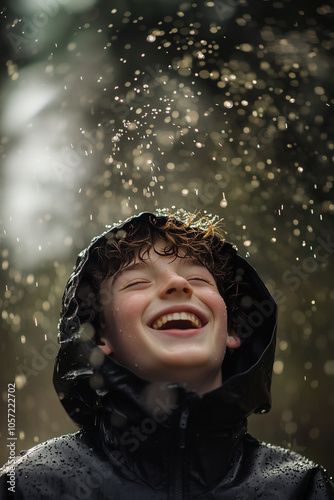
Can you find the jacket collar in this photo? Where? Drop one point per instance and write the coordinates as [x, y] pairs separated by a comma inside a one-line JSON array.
[[152, 427]]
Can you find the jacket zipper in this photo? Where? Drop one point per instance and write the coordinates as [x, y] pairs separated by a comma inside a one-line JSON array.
[[179, 462]]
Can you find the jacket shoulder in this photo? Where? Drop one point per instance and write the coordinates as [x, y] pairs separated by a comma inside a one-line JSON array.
[[288, 471], [65, 467], [50, 451]]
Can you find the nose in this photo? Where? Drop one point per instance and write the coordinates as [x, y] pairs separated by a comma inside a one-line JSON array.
[[175, 285]]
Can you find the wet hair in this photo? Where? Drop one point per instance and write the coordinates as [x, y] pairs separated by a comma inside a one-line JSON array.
[[201, 239]]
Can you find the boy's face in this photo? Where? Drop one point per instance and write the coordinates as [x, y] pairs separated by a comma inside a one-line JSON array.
[[166, 321]]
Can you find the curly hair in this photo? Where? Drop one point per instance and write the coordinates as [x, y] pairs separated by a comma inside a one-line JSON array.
[[201, 239]]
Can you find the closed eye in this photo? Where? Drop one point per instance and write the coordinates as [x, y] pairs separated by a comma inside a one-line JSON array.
[[199, 278], [134, 283]]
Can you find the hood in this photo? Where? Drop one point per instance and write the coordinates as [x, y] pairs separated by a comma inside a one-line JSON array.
[[88, 382]]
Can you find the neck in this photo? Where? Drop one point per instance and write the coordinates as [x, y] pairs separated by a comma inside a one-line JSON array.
[[203, 386], [201, 383]]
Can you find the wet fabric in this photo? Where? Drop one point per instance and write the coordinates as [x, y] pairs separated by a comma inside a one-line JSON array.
[[142, 440]]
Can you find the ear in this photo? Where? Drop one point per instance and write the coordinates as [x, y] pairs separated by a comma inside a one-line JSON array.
[[105, 347], [233, 340]]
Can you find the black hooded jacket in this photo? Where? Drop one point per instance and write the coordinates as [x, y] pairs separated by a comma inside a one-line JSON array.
[[150, 441]]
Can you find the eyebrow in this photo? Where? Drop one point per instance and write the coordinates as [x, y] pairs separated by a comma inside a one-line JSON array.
[[136, 266]]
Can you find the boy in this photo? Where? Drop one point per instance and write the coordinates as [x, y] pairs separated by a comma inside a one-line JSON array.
[[167, 345]]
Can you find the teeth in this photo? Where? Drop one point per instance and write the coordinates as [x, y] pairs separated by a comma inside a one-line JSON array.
[[177, 316]]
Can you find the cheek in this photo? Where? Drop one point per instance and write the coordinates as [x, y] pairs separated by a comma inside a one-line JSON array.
[[217, 305], [123, 315], [133, 306], [110, 316]]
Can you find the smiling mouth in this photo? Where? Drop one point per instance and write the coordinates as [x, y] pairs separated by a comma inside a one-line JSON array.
[[179, 321]]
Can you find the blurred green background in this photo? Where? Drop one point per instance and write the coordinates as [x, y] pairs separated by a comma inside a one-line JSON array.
[[112, 108]]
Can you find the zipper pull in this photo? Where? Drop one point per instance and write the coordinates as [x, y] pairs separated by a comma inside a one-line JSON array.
[[183, 427], [184, 419]]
